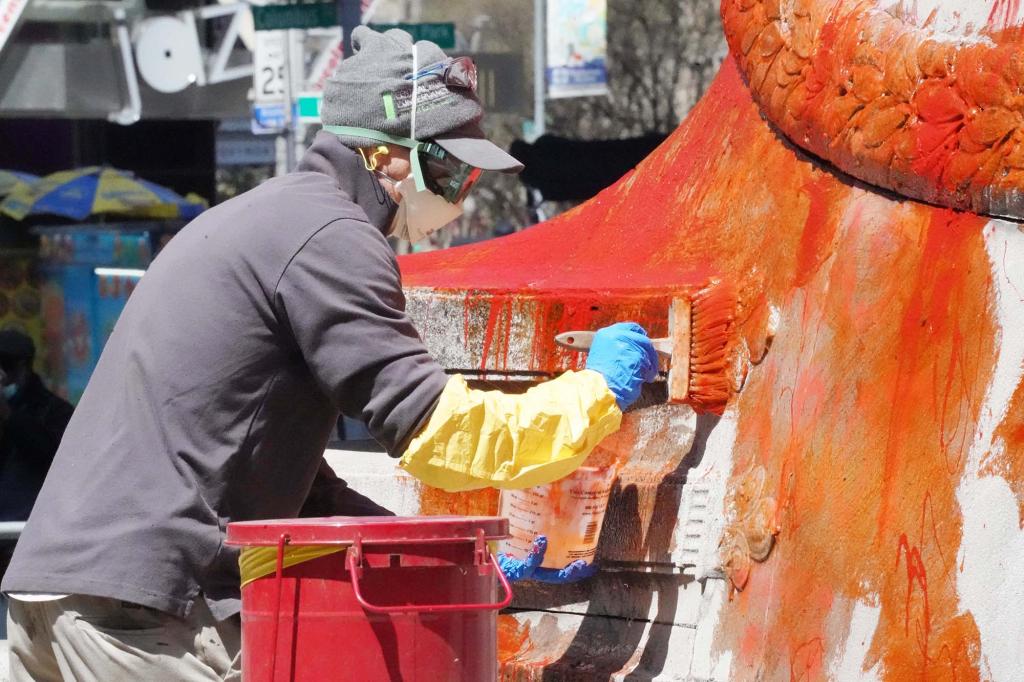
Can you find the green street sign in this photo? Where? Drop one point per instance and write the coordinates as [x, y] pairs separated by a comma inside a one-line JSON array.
[[300, 15], [443, 33], [308, 107]]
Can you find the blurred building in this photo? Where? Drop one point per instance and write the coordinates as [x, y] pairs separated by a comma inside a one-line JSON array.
[[135, 85]]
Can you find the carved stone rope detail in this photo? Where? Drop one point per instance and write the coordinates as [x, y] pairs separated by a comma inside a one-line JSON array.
[[928, 115]]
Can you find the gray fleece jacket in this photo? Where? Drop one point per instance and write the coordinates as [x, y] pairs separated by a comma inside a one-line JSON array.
[[218, 389]]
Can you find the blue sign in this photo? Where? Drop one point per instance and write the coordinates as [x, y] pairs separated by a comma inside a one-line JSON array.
[[268, 119]]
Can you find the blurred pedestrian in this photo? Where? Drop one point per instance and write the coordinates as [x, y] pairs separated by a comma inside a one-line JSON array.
[[32, 423]]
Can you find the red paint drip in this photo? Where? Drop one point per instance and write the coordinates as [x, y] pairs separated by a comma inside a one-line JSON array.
[[916, 573], [621, 256], [819, 228], [1003, 14], [927, 318], [547, 317]]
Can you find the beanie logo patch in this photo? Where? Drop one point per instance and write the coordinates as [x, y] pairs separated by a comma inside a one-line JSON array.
[[429, 95]]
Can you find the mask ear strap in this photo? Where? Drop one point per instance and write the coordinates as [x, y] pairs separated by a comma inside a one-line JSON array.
[[417, 168], [413, 145]]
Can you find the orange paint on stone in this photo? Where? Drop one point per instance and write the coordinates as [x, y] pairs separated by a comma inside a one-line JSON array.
[[513, 637], [819, 226], [750, 641], [958, 651], [917, 580], [806, 661], [897, 105], [861, 414], [862, 411], [436, 502], [937, 353], [1007, 460]]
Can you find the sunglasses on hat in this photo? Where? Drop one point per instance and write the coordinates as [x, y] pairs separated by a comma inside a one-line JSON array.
[[456, 72], [446, 175]]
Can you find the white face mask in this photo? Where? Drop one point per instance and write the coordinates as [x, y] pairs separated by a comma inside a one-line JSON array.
[[420, 214], [10, 390]]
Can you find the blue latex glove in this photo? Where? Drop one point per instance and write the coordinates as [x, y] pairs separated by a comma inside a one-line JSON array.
[[626, 358], [530, 569], [577, 570], [523, 569]]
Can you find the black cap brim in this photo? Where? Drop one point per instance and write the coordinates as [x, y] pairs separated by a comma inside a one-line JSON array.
[[478, 151]]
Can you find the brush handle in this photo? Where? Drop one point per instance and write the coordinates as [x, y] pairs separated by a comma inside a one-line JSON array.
[[582, 341]]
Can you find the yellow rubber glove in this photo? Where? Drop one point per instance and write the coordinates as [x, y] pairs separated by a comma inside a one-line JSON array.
[[477, 439]]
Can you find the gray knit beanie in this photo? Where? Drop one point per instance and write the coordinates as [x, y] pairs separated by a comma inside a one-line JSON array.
[[359, 92], [373, 89]]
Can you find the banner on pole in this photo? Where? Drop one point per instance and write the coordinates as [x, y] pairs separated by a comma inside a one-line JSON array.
[[577, 48], [10, 14]]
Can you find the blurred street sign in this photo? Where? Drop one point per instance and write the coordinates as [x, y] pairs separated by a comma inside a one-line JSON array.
[[10, 14], [268, 61], [299, 15], [308, 107], [442, 33], [268, 119], [245, 150]]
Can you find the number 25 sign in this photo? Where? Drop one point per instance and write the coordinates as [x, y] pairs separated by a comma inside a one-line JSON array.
[[269, 67]]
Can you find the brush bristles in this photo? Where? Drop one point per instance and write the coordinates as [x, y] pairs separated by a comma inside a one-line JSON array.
[[712, 317]]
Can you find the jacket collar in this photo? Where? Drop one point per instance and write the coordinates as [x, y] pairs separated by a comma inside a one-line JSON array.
[[344, 166]]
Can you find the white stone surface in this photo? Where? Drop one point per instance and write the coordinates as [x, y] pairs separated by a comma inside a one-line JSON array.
[[701, 523], [377, 476], [956, 16], [709, 663], [851, 659], [990, 582]]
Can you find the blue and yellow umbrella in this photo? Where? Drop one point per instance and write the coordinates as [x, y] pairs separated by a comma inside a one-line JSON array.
[[80, 193], [12, 180]]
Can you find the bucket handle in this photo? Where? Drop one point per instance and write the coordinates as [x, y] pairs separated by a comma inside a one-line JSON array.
[[353, 558], [278, 575]]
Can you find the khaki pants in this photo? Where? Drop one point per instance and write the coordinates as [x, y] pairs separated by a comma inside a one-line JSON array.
[[84, 638]]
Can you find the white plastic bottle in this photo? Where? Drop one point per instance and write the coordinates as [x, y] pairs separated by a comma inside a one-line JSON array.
[[569, 512]]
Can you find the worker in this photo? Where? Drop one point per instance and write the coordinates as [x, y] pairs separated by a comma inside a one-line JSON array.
[[258, 324], [32, 422]]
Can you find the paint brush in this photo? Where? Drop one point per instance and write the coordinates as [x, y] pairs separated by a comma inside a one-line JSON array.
[[697, 348]]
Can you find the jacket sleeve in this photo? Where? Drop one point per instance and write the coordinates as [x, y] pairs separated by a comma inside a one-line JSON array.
[[341, 298], [487, 438]]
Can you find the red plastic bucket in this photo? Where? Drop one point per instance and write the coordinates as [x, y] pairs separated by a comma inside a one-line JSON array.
[[404, 599]]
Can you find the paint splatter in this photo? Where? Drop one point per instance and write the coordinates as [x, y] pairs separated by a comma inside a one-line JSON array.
[[859, 414]]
